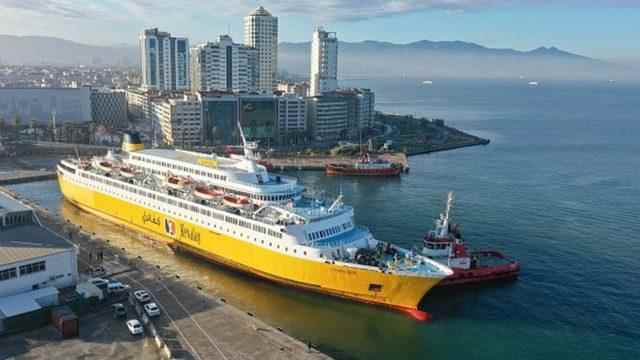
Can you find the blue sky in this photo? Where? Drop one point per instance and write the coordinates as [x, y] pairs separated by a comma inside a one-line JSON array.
[[607, 29]]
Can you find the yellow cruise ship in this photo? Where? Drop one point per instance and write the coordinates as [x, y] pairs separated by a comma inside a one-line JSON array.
[[231, 210]]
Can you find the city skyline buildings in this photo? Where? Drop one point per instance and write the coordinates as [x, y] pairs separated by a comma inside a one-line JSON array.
[[261, 33], [164, 61], [223, 66], [323, 76]]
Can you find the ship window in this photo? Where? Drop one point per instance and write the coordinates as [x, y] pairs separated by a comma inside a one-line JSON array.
[[375, 287]]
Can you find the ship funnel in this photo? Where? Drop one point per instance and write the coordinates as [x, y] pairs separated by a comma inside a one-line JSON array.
[[131, 142]]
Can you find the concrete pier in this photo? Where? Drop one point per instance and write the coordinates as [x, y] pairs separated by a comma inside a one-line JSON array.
[[25, 176], [193, 324]]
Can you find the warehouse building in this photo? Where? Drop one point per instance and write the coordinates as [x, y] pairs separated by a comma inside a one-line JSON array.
[[34, 264]]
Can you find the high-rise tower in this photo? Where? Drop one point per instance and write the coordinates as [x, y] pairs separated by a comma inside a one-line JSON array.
[[324, 62], [261, 33], [165, 61], [223, 65]]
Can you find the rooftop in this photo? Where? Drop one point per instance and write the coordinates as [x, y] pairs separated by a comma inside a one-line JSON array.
[[29, 241], [260, 11], [25, 302], [8, 205]]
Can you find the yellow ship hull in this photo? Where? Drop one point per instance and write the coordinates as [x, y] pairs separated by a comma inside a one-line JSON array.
[[392, 290]]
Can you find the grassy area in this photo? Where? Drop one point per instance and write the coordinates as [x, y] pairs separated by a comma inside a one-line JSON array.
[[421, 135]]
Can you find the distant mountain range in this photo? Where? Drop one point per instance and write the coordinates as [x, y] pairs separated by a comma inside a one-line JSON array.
[[38, 50], [423, 59]]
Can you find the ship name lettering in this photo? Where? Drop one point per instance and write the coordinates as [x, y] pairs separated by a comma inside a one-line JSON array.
[[189, 234], [146, 218]]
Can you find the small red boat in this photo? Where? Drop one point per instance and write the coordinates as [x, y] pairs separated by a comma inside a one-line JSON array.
[[235, 201], [365, 166], [444, 244], [206, 193]]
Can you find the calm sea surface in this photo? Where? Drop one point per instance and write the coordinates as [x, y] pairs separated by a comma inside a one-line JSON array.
[[558, 189]]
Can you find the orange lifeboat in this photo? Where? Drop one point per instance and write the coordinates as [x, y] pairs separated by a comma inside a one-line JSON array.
[[105, 166], [177, 183], [206, 193], [235, 201], [127, 172]]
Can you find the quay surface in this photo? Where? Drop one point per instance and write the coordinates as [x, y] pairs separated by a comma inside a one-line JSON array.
[[197, 325], [25, 176]]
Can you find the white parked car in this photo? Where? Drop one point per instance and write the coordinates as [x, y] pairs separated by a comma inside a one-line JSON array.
[[152, 309], [135, 327], [116, 287], [142, 296]]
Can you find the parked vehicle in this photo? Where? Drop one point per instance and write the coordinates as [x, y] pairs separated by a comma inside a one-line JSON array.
[[135, 327], [152, 309], [119, 310], [142, 296], [97, 271], [100, 283], [116, 287]]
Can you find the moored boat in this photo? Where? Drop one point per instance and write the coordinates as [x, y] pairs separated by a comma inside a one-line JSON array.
[[365, 166], [445, 245], [268, 226]]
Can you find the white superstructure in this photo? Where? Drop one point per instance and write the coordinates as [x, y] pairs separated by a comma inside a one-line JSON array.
[[261, 33], [324, 62]]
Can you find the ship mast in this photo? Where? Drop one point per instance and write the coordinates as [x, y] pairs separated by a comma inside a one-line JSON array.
[[443, 222], [249, 147]]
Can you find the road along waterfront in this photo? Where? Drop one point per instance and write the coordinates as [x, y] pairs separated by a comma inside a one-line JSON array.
[[210, 328]]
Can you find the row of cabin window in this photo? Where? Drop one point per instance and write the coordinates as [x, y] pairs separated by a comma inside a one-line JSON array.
[[183, 205], [316, 235]]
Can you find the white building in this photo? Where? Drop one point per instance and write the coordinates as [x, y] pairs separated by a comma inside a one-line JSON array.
[[292, 114], [179, 120], [296, 88], [72, 105], [165, 61], [327, 117], [261, 33], [223, 66], [361, 108], [32, 257], [109, 107], [324, 63]]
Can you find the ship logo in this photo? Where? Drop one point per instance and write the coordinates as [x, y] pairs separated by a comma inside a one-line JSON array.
[[169, 227]]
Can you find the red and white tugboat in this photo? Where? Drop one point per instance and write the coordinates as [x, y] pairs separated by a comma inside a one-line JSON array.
[[365, 166], [444, 244]]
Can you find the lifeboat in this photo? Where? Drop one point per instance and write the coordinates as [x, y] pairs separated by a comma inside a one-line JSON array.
[[206, 193], [177, 183], [127, 172], [105, 166], [235, 201]]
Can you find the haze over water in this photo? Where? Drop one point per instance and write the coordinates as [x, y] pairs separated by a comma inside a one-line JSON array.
[[558, 189]]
